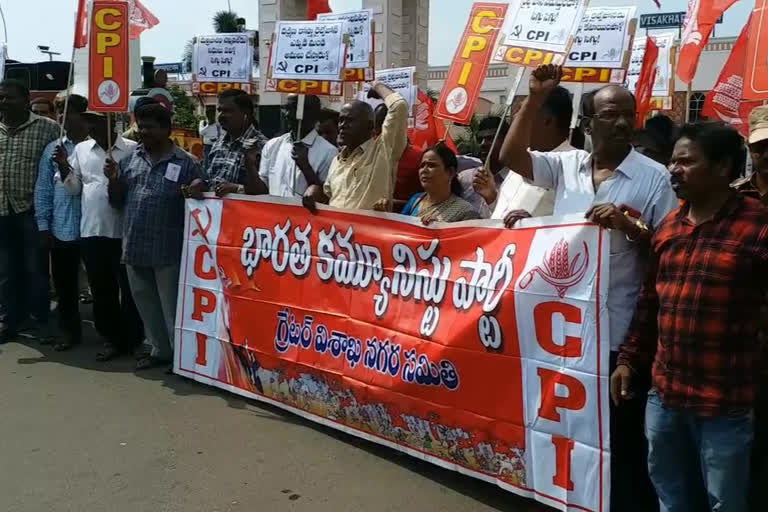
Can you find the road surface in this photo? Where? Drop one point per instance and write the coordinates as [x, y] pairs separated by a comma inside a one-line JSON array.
[[82, 436]]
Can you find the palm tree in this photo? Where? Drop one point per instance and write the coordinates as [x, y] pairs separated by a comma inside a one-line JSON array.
[[468, 142], [224, 22]]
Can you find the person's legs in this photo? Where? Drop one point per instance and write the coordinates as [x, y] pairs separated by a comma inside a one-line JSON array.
[[144, 288], [168, 286], [65, 264], [97, 256], [725, 447], [629, 449], [672, 462], [11, 295], [35, 273], [759, 475]]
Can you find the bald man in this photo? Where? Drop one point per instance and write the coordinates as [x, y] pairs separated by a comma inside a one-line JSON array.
[[627, 193], [300, 158], [364, 171]]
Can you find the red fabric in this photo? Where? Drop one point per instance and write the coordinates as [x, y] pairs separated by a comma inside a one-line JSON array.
[[315, 7], [700, 19], [81, 25], [427, 130], [724, 101], [710, 280], [141, 18], [407, 182], [645, 81]]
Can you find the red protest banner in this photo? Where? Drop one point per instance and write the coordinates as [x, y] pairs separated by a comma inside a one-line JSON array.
[[81, 25], [645, 81], [426, 130], [108, 89], [700, 19], [470, 63], [756, 69], [724, 101], [476, 348]]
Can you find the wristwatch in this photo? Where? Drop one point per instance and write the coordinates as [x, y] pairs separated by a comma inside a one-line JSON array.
[[641, 225]]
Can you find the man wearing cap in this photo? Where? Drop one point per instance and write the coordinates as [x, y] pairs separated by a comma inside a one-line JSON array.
[[58, 219], [756, 185], [101, 232]]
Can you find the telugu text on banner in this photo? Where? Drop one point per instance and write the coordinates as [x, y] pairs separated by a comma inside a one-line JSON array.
[[478, 348], [358, 27], [223, 58], [664, 85], [311, 50]]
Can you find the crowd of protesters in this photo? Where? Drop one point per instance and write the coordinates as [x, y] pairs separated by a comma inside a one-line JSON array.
[[688, 242]]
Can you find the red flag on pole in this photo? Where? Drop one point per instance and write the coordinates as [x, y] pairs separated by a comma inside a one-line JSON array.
[[699, 21], [315, 7], [426, 129], [81, 25], [141, 19], [645, 81], [724, 101]]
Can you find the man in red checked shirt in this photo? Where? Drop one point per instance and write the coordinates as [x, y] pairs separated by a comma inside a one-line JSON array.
[[699, 313]]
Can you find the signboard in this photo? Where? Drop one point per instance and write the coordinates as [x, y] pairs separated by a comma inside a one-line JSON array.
[[470, 63], [313, 50], [478, 348], [600, 52], [214, 88], [316, 87], [169, 67], [400, 80], [358, 27], [543, 24], [664, 84], [108, 87], [756, 71], [223, 58], [665, 20]]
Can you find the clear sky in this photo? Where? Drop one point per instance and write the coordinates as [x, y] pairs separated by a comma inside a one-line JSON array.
[[51, 23]]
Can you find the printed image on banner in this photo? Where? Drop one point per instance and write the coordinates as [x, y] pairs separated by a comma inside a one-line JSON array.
[[308, 50], [600, 52], [543, 24], [477, 348], [400, 80], [470, 63], [108, 87], [223, 58], [358, 27], [664, 85], [756, 71]]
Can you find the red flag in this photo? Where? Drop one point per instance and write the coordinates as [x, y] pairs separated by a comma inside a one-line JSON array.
[[141, 18], [426, 129], [645, 81], [315, 7], [81, 25], [699, 21], [724, 101]]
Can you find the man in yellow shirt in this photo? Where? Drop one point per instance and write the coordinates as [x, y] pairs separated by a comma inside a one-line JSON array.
[[364, 171]]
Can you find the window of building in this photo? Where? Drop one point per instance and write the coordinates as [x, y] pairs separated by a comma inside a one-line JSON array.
[[695, 105]]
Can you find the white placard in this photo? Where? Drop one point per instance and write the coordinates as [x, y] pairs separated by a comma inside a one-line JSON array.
[[223, 58], [542, 24], [400, 80], [603, 38], [661, 88], [308, 50], [357, 25]]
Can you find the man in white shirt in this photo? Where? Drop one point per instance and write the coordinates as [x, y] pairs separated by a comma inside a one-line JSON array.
[[625, 192], [290, 164], [515, 198], [101, 232]]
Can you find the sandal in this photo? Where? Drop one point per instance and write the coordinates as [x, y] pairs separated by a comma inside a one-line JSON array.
[[63, 346], [107, 353], [146, 363]]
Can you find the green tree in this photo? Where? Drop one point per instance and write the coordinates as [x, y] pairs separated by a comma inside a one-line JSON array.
[[183, 110], [225, 22], [468, 143]]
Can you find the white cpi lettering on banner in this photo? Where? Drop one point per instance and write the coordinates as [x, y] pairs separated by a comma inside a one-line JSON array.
[[308, 50], [542, 24], [223, 58]]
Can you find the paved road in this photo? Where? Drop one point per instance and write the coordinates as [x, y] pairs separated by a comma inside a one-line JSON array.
[[82, 436]]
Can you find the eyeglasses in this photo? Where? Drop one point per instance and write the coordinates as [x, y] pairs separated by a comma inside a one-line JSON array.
[[612, 116]]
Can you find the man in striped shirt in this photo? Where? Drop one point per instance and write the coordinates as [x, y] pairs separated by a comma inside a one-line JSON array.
[[23, 262]]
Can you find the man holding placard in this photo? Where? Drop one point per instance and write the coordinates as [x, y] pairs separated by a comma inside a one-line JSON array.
[[363, 172], [621, 190]]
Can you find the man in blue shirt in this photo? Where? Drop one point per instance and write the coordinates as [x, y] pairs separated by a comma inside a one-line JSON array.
[[148, 187], [58, 219]]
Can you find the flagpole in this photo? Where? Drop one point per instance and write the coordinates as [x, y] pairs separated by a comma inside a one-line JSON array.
[[66, 97], [688, 102]]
